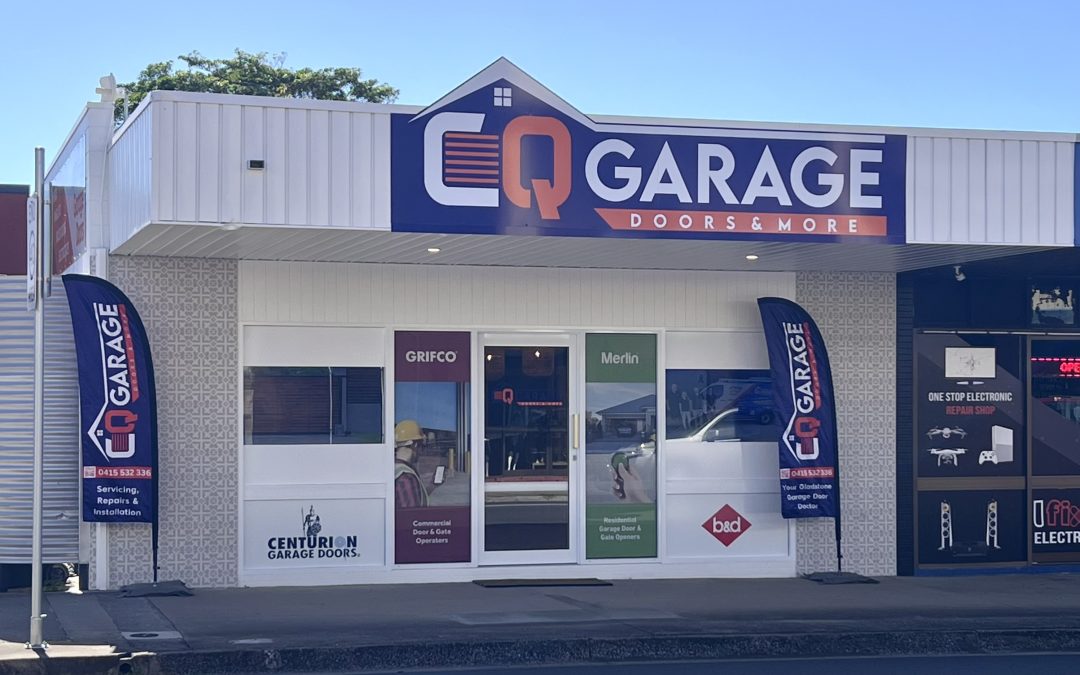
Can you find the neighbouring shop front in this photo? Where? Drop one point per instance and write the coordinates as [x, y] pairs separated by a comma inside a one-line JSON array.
[[996, 450]]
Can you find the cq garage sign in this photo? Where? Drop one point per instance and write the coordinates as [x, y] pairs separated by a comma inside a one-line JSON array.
[[502, 155]]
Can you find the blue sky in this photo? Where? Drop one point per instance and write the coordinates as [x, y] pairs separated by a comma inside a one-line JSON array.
[[994, 65]]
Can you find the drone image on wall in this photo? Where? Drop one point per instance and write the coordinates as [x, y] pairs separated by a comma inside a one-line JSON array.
[[946, 432], [947, 456]]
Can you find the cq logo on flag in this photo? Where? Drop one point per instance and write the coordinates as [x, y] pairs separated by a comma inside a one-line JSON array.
[[464, 167]]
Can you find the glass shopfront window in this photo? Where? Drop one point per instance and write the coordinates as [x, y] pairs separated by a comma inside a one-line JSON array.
[[721, 405], [1055, 407], [306, 406]]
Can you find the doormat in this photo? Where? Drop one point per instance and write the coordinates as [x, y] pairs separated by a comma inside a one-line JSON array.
[[161, 588], [518, 583], [832, 578]]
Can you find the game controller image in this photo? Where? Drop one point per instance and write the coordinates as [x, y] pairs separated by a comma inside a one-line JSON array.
[[988, 456]]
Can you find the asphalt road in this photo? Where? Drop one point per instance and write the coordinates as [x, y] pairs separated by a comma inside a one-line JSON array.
[[1007, 664]]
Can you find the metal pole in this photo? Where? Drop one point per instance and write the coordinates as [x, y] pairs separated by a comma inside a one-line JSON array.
[[36, 617]]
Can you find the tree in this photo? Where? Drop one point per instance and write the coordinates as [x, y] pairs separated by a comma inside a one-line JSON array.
[[257, 74]]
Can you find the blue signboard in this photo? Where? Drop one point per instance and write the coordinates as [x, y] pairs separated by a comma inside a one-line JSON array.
[[117, 404], [503, 155], [802, 386]]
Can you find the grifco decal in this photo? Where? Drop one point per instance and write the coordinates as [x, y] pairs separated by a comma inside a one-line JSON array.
[[117, 403], [802, 384], [430, 356], [506, 156]]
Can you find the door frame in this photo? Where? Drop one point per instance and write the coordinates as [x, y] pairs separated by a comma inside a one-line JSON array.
[[573, 342]]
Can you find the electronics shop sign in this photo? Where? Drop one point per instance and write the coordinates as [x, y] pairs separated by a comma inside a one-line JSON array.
[[1055, 524], [502, 155]]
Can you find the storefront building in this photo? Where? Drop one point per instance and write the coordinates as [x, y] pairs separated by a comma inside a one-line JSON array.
[[496, 337], [992, 458]]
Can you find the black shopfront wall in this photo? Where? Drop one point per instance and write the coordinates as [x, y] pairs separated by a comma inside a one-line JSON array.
[[994, 296], [984, 302]]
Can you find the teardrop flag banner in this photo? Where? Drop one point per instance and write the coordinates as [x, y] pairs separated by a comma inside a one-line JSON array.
[[117, 405], [802, 382]]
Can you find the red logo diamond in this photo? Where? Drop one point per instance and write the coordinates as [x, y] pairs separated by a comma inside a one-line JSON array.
[[726, 525]]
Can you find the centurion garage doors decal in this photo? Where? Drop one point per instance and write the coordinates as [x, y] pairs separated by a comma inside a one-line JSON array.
[[503, 155]]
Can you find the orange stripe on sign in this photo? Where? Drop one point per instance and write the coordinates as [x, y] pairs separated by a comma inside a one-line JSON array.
[[732, 222], [479, 146], [479, 137], [489, 172], [469, 153], [472, 162], [470, 179]]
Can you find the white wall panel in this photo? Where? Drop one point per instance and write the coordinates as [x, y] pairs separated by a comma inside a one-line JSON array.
[[340, 193], [362, 168], [129, 173], [313, 346], [993, 190], [232, 161], [323, 167], [275, 173], [763, 531], [211, 150], [186, 146], [403, 295], [252, 202], [370, 465], [717, 351]]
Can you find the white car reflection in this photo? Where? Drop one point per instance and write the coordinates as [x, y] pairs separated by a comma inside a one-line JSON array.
[[633, 468]]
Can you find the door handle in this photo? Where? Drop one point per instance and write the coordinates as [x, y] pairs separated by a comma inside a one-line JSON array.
[[574, 424]]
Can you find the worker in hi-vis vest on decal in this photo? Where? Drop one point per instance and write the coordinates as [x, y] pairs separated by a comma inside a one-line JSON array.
[[408, 487]]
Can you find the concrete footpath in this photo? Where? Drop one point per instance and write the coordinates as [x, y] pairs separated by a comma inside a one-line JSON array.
[[393, 627]]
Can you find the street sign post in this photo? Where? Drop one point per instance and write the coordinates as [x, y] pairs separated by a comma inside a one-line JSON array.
[[31, 252]]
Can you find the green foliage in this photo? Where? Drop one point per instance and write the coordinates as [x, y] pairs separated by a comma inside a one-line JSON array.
[[258, 74]]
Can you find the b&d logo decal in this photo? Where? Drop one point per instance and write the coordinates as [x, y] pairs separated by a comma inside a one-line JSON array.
[[503, 155], [312, 544], [726, 525]]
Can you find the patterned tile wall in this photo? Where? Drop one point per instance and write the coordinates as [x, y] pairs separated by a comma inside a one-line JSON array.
[[189, 307], [856, 313]]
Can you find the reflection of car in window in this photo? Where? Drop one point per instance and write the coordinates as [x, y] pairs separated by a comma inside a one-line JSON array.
[[633, 462], [720, 427]]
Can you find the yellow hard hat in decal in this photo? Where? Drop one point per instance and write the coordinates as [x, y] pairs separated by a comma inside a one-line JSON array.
[[406, 432]]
